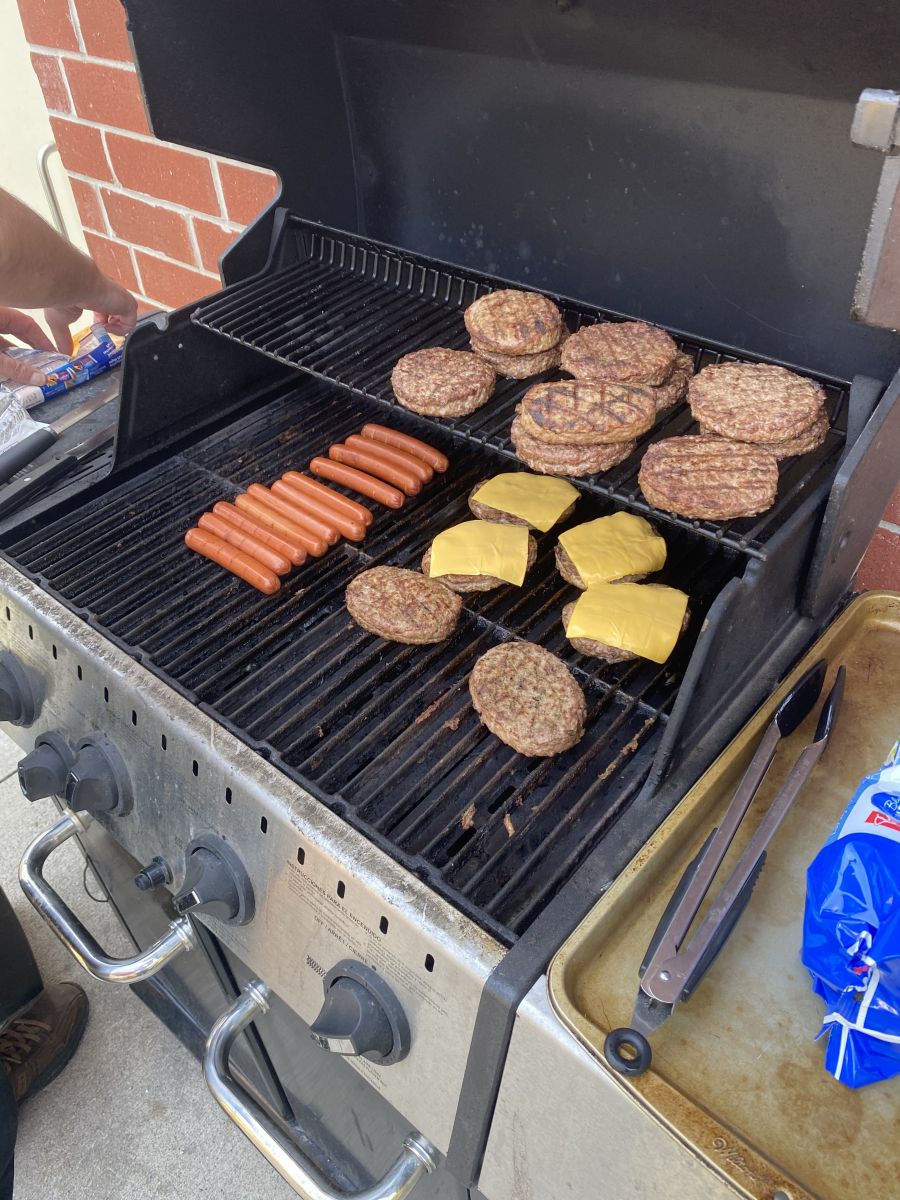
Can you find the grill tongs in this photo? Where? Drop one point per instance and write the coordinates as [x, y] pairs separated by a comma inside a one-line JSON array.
[[672, 969]]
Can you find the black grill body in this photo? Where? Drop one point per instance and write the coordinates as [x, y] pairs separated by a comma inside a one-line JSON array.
[[385, 734]]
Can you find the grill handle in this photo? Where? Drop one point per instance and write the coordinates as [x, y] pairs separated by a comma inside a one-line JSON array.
[[71, 932], [416, 1159]]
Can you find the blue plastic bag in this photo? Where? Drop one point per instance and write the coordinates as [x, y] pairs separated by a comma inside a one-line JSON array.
[[851, 932]]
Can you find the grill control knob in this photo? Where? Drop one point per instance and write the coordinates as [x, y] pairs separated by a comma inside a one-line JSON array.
[[19, 700], [215, 882], [43, 772], [361, 1016], [98, 778]]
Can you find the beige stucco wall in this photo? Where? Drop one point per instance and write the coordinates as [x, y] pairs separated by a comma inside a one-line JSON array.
[[26, 127]]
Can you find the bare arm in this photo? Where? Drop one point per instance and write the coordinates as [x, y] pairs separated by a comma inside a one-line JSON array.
[[40, 269]]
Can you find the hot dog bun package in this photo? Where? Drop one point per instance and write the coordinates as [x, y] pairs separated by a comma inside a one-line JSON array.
[[481, 548], [851, 932], [538, 499], [95, 351], [611, 547]]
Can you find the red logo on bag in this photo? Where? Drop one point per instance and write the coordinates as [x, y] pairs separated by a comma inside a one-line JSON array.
[[880, 818]]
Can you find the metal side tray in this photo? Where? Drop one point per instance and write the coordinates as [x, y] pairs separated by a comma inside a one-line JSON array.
[[737, 1077]]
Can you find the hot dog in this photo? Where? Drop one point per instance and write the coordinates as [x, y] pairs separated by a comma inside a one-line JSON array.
[[398, 458], [322, 529], [350, 528], [402, 441], [358, 481], [244, 541], [262, 533], [372, 465], [312, 487], [235, 561], [289, 530]]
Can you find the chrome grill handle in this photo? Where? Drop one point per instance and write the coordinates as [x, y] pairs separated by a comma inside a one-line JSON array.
[[81, 945], [416, 1159]]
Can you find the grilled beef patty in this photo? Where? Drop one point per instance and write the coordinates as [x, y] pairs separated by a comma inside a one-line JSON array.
[[620, 352], [708, 478], [676, 386], [442, 383], [566, 460], [809, 439], [520, 366], [514, 322], [570, 574], [528, 698], [477, 583], [402, 606], [571, 412], [754, 402]]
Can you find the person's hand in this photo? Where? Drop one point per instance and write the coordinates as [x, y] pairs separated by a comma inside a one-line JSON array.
[[27, 330], [58, 321], [114, 308]]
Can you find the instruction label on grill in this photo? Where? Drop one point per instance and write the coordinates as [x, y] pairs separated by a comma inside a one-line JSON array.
[[361, 941]]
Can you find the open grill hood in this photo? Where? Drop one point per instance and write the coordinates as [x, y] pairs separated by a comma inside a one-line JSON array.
[[686, 163]]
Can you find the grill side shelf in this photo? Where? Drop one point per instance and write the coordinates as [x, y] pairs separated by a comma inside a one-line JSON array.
[[348, 309]]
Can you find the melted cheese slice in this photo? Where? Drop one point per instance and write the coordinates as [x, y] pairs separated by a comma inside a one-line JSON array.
[[538, 499], [630, 616], [610, 547], [481, 548]]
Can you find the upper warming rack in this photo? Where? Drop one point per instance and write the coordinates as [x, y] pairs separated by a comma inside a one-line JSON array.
[[348, 308]]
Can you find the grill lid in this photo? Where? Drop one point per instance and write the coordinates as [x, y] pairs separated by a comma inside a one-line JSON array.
[[690, 164]]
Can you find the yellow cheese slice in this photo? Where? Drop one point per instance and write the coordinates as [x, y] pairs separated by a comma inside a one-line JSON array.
[[538, 499], [481, 548], [630, 616], [610, 547]]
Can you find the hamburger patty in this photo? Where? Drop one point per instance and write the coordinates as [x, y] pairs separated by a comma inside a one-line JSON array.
[[402, 606], [513, 322], [485, 512], [708, 478], [571, 412], [521, 366], [676, 386], [477, 583], [754, 402], [621, 352], [566, 460], [809, 439], [595, 649], [570, 574], [527, 697], [442, 383]]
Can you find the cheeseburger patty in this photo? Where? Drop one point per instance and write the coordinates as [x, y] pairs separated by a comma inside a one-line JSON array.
[[570, 574], [708, 478], [571, 412], [754, 402], [402, 606], [485, 512], [595, 649], [513, 322], [442, 383], [620, 351], [528, 698], [566, 460], [477, 583]]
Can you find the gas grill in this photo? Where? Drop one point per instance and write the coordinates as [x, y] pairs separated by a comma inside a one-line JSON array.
[[374, 833]]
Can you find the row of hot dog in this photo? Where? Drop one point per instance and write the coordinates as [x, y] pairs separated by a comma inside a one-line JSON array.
[[269, 530]]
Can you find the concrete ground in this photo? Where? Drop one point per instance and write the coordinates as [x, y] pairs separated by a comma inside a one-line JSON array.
[[130, 1117]]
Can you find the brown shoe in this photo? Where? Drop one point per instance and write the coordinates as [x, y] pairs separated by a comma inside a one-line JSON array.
[[37, 1044]]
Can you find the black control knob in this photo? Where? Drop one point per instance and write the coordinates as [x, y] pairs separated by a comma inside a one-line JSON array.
[[361, 1016], [98, 779], [19, 702], [154, 875], [215, 882], [43, 772]]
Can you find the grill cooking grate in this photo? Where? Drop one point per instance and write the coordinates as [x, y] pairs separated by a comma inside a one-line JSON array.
[[382, 733], [350, 308]]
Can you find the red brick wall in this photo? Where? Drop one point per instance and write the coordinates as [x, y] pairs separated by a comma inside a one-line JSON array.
[[155, 216]]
